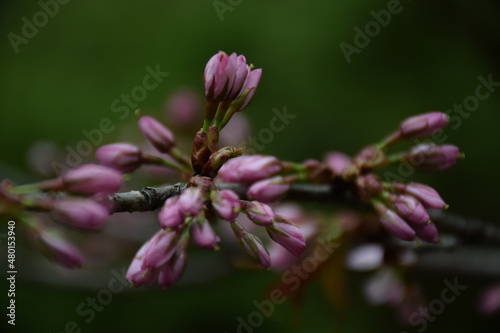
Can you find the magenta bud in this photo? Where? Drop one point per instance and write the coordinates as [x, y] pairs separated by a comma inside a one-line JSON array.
[[337, 161], [242, 70], [409, 208], [203, 234], [226, 203], [423, 125], [249, 168], [268, 190], [249, 88], [426, 194], [136, 274], [259, 213], [84, 214], [427, 232], [252, 245], [288, 235], [184, 108], [59, 250], [170, 215], [92, 178], [395, 224], [219, 76], [123, 157], [191, 201], [160, 249], [158, 135], [173, 269], [432, 157]]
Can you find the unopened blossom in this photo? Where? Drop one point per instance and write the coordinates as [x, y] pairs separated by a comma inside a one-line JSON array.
[[203, 234], [432, 157], [249, 88], [241, 72], [411, 209], [59, 250], [157, 134], [252, 245], [137, 273], [191, 201], [171, 272], [428, 196], [92, 178], [288, 235], [85, 214], [268, 190], [394, 223], [226, 203], [249, 168], [259, 212], [427, 232], [123, 157], [423, 125], [160, 249], [170, 215], [219, 76]]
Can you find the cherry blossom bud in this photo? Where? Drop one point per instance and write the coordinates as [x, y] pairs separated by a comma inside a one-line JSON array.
[[85, 214], [409, 208], [171, 272], [249, 168], [288, 235], [203, 234], [427, 232], [160, 249], [123, 157], [395, 224], [249, 88], [158, 135], [219, 76], [59, 250], [268, 190], [136, 274], [226, 203], [170, 216], [252, 245], [191, 201], [184, 108], [92, 178], [426, 194], [366, 257], [423, 125], [432, 157], [242, 70], [337, 161], [258, 212]]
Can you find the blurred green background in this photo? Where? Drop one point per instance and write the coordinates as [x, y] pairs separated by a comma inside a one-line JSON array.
[[429, 57]]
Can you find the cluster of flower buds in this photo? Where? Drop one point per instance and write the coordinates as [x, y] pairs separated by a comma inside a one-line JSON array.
[[189, 217]]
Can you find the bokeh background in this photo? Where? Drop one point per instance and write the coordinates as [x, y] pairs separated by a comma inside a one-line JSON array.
[[429, 57]]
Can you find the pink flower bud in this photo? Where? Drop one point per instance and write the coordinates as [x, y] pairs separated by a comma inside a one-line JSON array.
[[268, 190], [92, 178], [259, 213], [226, 203], [170, 215], [85, 214], [136, 274], [249, 168], [410, 209], [426, 194], [59, 250], [427, 232], [191, 201], [337, 161], [252, 245], [203, 234], [288, 235], [249, 88], [219, 76], [432, 157], [123, 157], [184, 108], [423, 125], [158, 135], [395, 224], [160, 249], [173, 269], [242, 70]]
